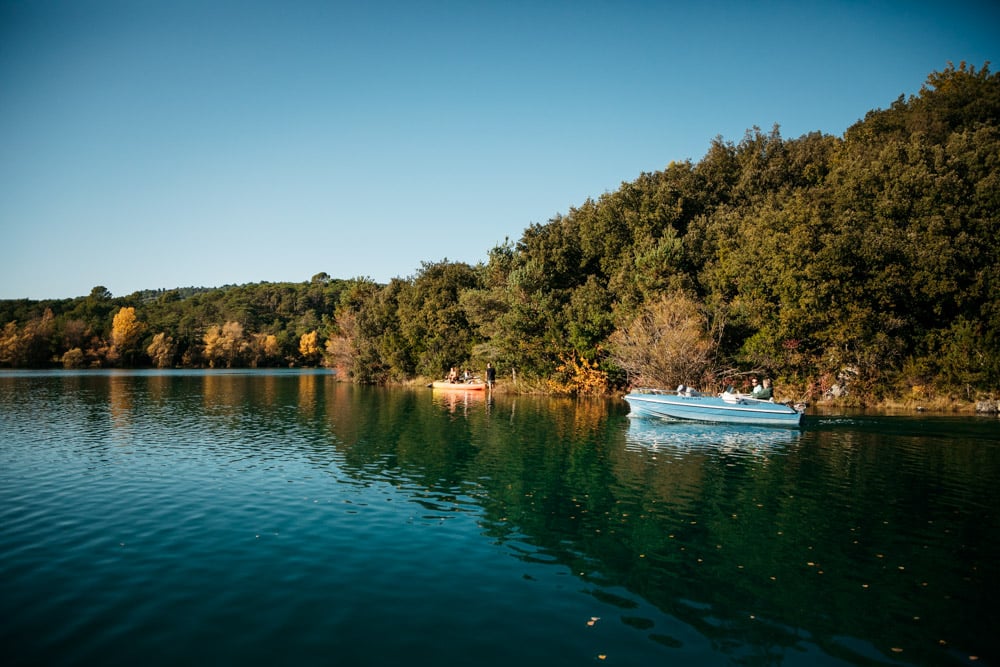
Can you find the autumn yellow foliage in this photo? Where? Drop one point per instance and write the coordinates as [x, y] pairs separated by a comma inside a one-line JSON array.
[[126, 334], [309, 346], [225, 345], [578, 376], [161, 351]]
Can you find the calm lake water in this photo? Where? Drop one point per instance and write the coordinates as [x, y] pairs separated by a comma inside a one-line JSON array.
[[262, 518]]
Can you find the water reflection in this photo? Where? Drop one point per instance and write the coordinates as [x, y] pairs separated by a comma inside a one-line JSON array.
[[457, 402], [121, 407], [850, 541], [684, 436]]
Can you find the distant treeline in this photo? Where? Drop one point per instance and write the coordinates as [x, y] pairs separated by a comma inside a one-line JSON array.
[[869, 261]]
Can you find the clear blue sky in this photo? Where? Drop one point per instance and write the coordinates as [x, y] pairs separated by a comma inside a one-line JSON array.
[[150, 144]]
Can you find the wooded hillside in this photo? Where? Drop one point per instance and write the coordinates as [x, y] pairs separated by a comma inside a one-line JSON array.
[[870, 261]]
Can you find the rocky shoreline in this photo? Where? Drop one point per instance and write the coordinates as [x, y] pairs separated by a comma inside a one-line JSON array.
[[985, 407], [988, 407]]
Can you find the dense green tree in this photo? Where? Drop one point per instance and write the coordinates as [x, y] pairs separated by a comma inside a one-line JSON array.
[[433, 326], [366, 313], [872, 257]]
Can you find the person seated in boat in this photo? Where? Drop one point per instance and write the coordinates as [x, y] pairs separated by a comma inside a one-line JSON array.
[[755, 388], [766, 393], [453, 375], [466, 375]]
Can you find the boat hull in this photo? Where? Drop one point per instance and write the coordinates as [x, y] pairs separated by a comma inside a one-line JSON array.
[[458, 386], [730, 410]]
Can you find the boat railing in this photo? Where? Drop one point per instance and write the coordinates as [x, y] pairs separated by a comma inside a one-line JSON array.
[[727, 396], [733, 397], [680, 391]]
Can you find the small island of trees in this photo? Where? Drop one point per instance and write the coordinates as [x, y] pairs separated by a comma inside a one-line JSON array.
[[868, 263]]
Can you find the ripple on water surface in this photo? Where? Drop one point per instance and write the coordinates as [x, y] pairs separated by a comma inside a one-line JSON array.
[[258, 519]]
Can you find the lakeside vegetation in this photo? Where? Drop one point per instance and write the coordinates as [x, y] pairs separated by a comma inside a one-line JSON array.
[[866, 266]]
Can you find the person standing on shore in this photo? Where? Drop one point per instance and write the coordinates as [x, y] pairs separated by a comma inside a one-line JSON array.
[[491, 375]]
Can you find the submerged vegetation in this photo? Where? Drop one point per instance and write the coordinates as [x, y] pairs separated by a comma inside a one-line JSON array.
[[866, 264]]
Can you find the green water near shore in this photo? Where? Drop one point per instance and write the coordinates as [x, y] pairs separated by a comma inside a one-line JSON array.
[[282, 517]]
